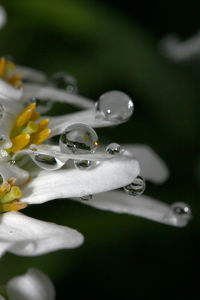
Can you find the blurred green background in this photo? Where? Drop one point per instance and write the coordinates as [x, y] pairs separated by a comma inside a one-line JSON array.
[[106, 46]]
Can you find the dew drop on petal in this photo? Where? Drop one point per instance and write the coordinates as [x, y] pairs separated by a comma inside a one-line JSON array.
[[113, 148], [114, 106], [78, 139], [83, 164], [47, 162], [65, 82], [137, 187], [86, 197], [179, 214], [43, 105]]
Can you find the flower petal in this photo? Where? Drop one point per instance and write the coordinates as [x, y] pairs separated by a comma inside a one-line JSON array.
[[152, 167], [142, 206], [30, 237], [9, 92], [71, 182], [55, 95], [7, 171], [2, 298], [31, 74], [3, 16], [58, 124], [31, 286]]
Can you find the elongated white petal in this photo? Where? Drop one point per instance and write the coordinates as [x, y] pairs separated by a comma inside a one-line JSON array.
[[152, 166], [10, 92], [67, 183], [7, 171], [30, 237], [55, 95], [58, 124], [34, 285], [142, 206], [31, 74], [2, 298], [3, 16]]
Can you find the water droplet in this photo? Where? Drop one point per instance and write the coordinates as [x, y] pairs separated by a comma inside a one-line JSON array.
[[64, 81], [86, 198], [11, 162], [179, 214], [83, 164], [137, 187], [78, 139], [43, 105], [47, 162], [113, 148], [1, 111], [114, 106], [3, 155]]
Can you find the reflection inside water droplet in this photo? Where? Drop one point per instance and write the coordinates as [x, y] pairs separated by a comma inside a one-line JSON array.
[[83, 164], [47, 162], [113, 148], [137, 187]]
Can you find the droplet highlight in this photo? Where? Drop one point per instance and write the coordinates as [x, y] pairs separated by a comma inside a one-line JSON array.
[[113, 149]]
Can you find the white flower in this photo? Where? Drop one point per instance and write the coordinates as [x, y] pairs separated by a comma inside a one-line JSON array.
[[34, 285], [108, 172], [3, 16]]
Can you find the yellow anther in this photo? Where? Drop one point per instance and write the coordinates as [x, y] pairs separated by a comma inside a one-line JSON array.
[[30, 128], [4, 189], [35, 116], [12, 181], [9, 69], [25, 116], [19, 142], [15, 79], [43, 124], [39, 137], [2, 66], [13, 194], [14, 205]]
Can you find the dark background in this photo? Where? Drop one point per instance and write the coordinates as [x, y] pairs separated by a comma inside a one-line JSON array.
[[114, 45]]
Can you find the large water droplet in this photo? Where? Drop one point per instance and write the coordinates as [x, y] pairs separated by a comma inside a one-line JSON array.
[[114, 106], [1, 111], [78, 139], [47, 162], [64, 81], [113, 148], [83, 164], [137, 187]]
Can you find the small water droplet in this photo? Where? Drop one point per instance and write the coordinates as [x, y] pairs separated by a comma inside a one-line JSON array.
[[83, 164], [181, 209], [11, 162], [86, 197], [47, 162], [179, 214], [65, 82], [43, 105], [1, 111], [78, 139], [114, 106], [113, 148], [137, 187]]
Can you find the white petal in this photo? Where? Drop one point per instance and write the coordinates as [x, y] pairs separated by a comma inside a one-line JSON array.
[[152, 167], [3, 16], [10, 92], [66, 183], [55, 95], [7, 171], [30, 237], [34, 285], [2, 298], [142, 206], [31, 74]]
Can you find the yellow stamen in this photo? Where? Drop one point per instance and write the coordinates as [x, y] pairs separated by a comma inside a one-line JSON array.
[[14, 205], [35, 116], [25, 116], [43, 124], [9, 69], [19, 142], [12, 181], [30, 128], [15, 79], [4, 189], [40, 137], [13, 194], [2, 66]]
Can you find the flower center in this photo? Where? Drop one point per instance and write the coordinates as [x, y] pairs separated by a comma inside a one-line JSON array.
[[26, 131], [9, 197], [7, 73]]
